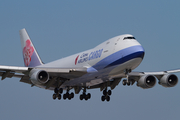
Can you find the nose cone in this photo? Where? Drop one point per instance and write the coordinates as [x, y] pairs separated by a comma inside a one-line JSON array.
[[139, 52], [133, 52], [133, 49]]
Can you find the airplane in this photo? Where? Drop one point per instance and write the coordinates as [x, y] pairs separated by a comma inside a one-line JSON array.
[[103, 66]]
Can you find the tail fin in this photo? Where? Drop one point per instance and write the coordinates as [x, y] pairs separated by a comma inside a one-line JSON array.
[[30, 55]]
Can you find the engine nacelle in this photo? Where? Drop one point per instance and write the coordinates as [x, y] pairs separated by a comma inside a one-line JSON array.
[[168, 80], [38, 76], [146, 81]]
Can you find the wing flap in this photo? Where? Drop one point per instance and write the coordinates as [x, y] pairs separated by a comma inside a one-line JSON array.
[[25, 79], [5, 74]]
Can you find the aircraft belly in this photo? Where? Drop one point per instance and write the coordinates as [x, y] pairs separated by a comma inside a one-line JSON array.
[[104, 75], [87, 80]]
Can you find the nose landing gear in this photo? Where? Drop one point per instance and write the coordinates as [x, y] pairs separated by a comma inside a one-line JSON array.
[[128, 81]]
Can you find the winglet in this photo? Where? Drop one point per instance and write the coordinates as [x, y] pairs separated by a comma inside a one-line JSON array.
[[30, 55]]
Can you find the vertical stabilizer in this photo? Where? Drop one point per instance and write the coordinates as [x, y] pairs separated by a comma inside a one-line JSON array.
[[30, 55]]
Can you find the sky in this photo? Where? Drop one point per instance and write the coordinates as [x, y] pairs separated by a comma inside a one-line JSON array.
[[62, 28]]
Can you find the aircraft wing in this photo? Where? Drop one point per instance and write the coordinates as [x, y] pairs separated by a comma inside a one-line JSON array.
[[148, 79], [23, 72], [12, 71], [157, 74]]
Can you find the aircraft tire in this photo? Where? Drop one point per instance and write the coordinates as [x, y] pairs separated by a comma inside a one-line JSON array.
[[89, 95], [86, 98], [128, 83], [103, 98], [64, 96], [59, 97], [69, 97], [56, 90], [104, 92], [108, 98], [109, 92], [54, 96], [72, 95], [60, 90], [124, 82], [81, 97]]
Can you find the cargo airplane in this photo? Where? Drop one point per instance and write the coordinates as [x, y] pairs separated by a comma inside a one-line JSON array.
[[103, 66]]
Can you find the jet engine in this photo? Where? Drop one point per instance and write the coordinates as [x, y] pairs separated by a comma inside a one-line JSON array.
[[146, 81], [38, 76], [168, 80]]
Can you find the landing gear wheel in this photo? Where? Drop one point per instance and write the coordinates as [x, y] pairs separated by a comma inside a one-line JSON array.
[[84, 95], [72, 95], [103, 98], [69, 97], [54, 96], [128, 83], [56, 90], [108, 98], [60, 90], [109, 92], [81, 97], [105, 92], [89, 95], [124, 82], [59, 97], [86, 98], [64, 96], [67, 94]]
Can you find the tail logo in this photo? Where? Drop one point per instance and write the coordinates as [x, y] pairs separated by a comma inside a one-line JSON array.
[[27, 52], [76, 59]]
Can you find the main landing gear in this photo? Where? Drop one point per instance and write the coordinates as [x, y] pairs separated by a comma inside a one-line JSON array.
[[58, 92], [84, 95], [106, 95], [67, 95]]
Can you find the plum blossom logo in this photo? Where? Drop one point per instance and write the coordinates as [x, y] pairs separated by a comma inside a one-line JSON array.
[[27, 52]]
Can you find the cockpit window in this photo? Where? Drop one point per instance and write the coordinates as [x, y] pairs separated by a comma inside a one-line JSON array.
[[129, 38]]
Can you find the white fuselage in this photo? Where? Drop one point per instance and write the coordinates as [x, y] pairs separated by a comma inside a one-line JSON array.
[[105, 61]]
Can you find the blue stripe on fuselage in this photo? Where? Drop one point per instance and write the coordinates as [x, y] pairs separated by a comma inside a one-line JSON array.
[[120, 57]]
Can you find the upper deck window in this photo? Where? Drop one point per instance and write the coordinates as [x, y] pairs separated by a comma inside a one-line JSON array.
[[129, 38]]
